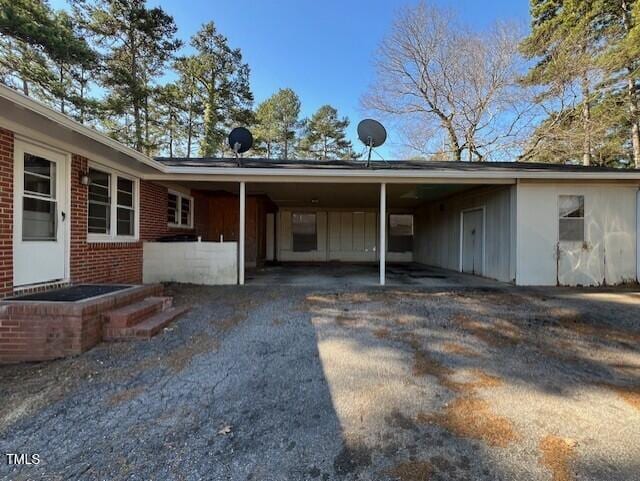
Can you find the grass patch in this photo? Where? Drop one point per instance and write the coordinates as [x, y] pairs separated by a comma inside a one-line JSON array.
[[471, 417], [412, 471], [557, 455], [499, 333], [180, 357], [459, 349]]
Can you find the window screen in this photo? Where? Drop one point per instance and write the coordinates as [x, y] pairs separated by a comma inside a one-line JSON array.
[[571, 222], [99, 202], [400, 233], [304, 231], [185, 211], [126, 213], [39, 199], [172, 209]]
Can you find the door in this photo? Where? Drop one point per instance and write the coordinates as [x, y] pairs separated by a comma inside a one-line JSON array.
[[40, 217], [473, 241]]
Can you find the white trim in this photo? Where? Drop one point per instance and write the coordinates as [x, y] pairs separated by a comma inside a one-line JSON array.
[[498, 176], [113, 237], [584, 220], [181, 196], [483, 208]]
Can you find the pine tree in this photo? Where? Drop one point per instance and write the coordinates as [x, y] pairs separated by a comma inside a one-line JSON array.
[[43, 48], [618, 22], [266, 130], [324, 135], [138, 43], [564, 47], [286, 119], [194, 108], [223, 81]]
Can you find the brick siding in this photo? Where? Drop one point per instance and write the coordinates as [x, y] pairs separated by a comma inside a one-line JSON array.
[[6, 212], [91, 262]]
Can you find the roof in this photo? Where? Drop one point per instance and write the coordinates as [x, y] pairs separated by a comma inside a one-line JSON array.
[[43, 110], [419, 165]]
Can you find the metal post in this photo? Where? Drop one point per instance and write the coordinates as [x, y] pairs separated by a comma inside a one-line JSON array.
[[383, 232], [241, 236]]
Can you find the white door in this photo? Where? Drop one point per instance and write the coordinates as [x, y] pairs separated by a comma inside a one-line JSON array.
[[40, 215], [473, 241]]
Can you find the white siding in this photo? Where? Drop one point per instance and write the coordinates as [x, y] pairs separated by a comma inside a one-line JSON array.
[[608, 254], [437, 225], [343, 235]]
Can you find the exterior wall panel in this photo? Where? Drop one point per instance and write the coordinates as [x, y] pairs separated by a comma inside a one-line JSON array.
[[437, 240], [608, 253]]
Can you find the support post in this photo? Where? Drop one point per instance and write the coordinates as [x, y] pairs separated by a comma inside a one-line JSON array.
[[241, 235], [383, 232]]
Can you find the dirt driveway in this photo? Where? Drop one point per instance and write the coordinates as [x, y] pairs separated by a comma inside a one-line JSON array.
[[268, 383]]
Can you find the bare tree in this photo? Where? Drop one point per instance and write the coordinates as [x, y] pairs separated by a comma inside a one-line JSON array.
[[434, 72]]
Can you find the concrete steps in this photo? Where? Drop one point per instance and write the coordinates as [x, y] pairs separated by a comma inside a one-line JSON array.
[[140, 320]]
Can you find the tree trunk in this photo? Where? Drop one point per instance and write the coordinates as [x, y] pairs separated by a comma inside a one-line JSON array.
[[62, 106], [190, 128], [286, 144], [586, 122], [324, 150]]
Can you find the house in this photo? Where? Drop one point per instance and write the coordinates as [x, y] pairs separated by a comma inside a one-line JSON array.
[[78, 207]]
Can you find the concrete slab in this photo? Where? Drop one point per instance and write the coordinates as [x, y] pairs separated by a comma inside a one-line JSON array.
[[338, 274]]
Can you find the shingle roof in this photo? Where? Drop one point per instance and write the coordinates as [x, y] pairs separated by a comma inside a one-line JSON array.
[[380, 165]]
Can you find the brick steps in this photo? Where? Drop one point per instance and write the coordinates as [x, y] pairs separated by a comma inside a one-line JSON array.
[[140, 320], [132, 314]]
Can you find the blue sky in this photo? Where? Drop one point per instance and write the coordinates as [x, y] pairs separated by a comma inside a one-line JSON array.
[[322, 49]]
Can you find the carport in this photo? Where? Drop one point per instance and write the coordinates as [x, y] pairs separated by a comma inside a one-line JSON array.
[[306, 229]]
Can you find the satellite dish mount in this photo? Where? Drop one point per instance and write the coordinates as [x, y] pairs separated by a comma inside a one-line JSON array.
[[372, 134], [240, 141]]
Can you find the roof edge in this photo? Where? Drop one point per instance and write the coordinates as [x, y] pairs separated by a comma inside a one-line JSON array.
[[44, 110]]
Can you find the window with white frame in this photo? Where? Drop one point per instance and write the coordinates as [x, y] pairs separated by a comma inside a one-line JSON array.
[[571, 218], [179, 210], [112, 205]]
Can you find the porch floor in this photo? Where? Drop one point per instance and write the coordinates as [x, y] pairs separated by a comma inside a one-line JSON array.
[[344, 274]]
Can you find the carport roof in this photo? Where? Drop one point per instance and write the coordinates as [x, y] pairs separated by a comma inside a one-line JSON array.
[[259, 163]]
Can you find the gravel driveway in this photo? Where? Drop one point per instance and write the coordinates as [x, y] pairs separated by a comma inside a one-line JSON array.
[[272, 383]]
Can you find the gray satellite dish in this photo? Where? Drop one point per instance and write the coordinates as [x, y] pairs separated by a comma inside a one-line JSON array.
[[372, 134], [240, 140]]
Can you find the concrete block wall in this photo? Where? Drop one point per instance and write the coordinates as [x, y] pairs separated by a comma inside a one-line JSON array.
[[206, 263]]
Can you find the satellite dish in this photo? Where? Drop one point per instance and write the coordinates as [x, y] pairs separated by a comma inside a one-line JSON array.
[[240, 140], [372, 134]]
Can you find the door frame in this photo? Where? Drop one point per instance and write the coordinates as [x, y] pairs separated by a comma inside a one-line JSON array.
[[20, 144], [482, 208]]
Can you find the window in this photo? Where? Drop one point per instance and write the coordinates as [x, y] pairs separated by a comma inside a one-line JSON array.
[[99, 202], [304, 231], [112, 202], [126, 212], [179, 210], [39, 199], [400, 233], [571, 213]]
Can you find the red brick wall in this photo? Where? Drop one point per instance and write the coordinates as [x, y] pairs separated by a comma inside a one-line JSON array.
[[108, 261], [6, 212], [90, 262], [103, 261]]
